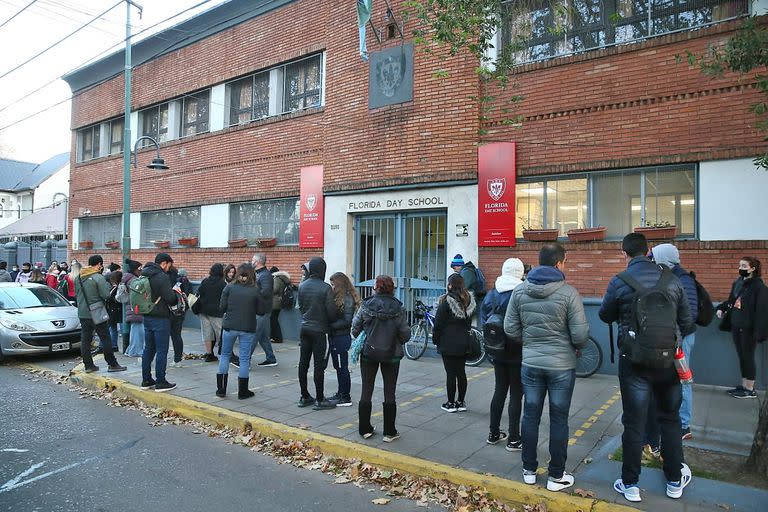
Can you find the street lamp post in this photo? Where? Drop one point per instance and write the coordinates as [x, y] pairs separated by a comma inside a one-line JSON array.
[[66, 205]]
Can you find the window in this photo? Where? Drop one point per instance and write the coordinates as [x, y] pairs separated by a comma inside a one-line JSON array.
[[619, 200], [547, 28], [275, 218], [154, 123], [303, 81], [101, 229], [194, 113], [116, 136], [169, 225], [88, 143], [249, 98]]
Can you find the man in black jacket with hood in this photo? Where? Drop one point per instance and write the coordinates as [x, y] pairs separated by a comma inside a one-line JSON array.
[[318, 310], [157, 324]]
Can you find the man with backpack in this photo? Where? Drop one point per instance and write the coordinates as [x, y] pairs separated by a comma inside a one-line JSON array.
[[474, 280], [652, 310], [152, 296], [92, 291]]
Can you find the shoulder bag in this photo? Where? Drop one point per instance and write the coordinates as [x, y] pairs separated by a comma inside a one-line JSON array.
[[98, 309]]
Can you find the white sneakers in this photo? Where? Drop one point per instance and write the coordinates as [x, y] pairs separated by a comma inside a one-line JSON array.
[[529, 477], [554, 485], [630, 492], [674, 489]]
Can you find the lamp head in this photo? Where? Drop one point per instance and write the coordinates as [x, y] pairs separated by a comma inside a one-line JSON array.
[[158, 164]]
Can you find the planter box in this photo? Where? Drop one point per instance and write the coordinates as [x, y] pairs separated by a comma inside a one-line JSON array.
[[86, 244], [162, 244], [541, 235], [587, 234], [664, 233], [236, 244], [266, 242], [112, 245], [188, 242]]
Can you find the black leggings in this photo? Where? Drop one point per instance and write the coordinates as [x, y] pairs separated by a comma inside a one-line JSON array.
[[507, 382], [389, 372], [455, 374], [312, 345], [744, 339]]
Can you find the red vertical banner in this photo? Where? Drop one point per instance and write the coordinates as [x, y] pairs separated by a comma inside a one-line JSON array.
[[496, 194], [311, 209]]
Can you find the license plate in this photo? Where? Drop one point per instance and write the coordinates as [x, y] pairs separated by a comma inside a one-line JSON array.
[[56, 347]]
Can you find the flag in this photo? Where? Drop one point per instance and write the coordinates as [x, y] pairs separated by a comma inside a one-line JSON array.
[[363, 16]]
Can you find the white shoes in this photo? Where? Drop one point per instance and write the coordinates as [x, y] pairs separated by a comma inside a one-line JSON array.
[[675, 489], [630, 492], [529, 477], [561, 483]]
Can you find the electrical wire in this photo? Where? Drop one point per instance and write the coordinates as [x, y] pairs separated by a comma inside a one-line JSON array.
[[30, 4]]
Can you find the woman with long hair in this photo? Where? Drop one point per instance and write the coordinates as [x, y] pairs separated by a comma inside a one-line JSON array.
[[452, 337], [52, 277], [384, 321], [747, 306], [347, 301], [240, 303], [229, 273], [209, 297], [36, 276]]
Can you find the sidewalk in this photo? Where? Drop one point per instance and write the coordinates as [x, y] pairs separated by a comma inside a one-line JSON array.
[[458, 440]]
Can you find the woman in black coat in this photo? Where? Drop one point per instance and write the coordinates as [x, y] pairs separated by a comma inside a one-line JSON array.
[[208, 298], [452, 337], [747, 307]]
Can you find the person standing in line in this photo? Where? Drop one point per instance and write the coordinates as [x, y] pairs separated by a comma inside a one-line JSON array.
[[52, 277], [115, 311], [265, 283], [14, 272], [240, 302], [451, 335], [5, 276], [506, 367], [133, 320], [347, 301], [548, 315], [280, 281], [318, 311], [384, 320], [91, 288], [209, 297], [641, 374], [748, 307], [36, 276], [26, 272], [157, 324], [178, 279], [229, 273]]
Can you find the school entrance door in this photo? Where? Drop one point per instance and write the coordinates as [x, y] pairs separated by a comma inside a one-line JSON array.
[[410, 247]]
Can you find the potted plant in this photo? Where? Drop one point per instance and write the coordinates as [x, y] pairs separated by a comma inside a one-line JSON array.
[[661, 230], [162, 244], [86, 244], [266, 242], [112, 244], [587, 234], [538, 235], [238, 243], [189, 242]]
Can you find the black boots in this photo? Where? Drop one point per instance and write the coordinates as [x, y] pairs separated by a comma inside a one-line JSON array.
[[221, 384], [242, 389], [126, 342], [390, 412], [364, 419]]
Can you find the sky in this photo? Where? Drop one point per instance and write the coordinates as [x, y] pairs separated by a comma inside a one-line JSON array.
[[45, 22]]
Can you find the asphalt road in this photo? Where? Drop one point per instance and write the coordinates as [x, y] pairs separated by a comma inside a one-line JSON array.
[[59, 452]]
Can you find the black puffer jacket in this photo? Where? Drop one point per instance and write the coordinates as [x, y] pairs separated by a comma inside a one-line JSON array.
[[385, 323], [452, 323], [316, 303], [209, 296], [240, 304], [161, 287], [343, 323], [265, 285], [753, 313], [617, 301]]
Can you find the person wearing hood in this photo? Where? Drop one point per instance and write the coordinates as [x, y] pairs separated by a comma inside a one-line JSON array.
[[178, 278], [506, 368], [548, 315], [318, 311], [209, 298], [92, 289], [451, 336], [384, 320], [5, 276], [134, 321], [280, 281], [25, 274], [157, 324]]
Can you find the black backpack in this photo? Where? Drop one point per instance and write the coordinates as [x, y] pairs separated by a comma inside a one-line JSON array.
[[705, 312], [288, 298], [494, 337], [651, 339]]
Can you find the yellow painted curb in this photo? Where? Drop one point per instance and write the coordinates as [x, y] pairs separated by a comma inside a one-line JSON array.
[[511, 492]]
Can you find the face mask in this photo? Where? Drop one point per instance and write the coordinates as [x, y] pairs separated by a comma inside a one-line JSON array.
[[743, 272]]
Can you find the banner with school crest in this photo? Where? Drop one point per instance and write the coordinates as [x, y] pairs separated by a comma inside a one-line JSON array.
[[496, 194], [311, 209]]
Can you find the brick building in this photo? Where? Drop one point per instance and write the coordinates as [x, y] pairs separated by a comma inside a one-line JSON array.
[[615, 133]]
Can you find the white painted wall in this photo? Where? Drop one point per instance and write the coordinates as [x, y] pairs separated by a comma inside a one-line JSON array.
[[135, 230], [460, 202], [74, 236], [216, 111], [214, 225], [732, 203], [57, 182]]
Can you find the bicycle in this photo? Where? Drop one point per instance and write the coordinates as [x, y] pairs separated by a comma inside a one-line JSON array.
[[589, 358]]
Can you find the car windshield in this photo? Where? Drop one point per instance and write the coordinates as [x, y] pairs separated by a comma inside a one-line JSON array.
[[30, 297]]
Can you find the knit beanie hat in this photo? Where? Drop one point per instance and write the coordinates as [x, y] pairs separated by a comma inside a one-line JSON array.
[[458, 261], [666, 254], [132, 265], [511, 275]]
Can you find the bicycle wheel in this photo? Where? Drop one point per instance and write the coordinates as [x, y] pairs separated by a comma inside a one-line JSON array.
[[590, 358], [478, 334], [417, 345]]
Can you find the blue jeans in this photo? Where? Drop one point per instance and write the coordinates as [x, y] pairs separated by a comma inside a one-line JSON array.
[[537, 383], [246, 347], [262, 336], [136, 339], [686, 407], [157, 334]]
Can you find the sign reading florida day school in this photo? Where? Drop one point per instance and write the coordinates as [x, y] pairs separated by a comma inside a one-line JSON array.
[[496, 194], [312, 205]]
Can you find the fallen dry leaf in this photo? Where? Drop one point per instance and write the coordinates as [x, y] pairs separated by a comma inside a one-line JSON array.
[[380, 501], [583, 493], [342, 480]]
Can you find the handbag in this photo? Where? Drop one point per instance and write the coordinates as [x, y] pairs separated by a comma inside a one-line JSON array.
[[98, 309], [357, 347], [194, 304], [725, 322], [473, 347]]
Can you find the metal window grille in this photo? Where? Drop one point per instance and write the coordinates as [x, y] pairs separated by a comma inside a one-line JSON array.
[[249, 98], [100, 229], [303, 84], [88, 139], [154, 123], [274, 218], [116, 136], [194, 113], [169, 225]]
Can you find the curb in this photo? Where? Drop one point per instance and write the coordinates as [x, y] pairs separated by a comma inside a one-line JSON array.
[[511, 492]]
